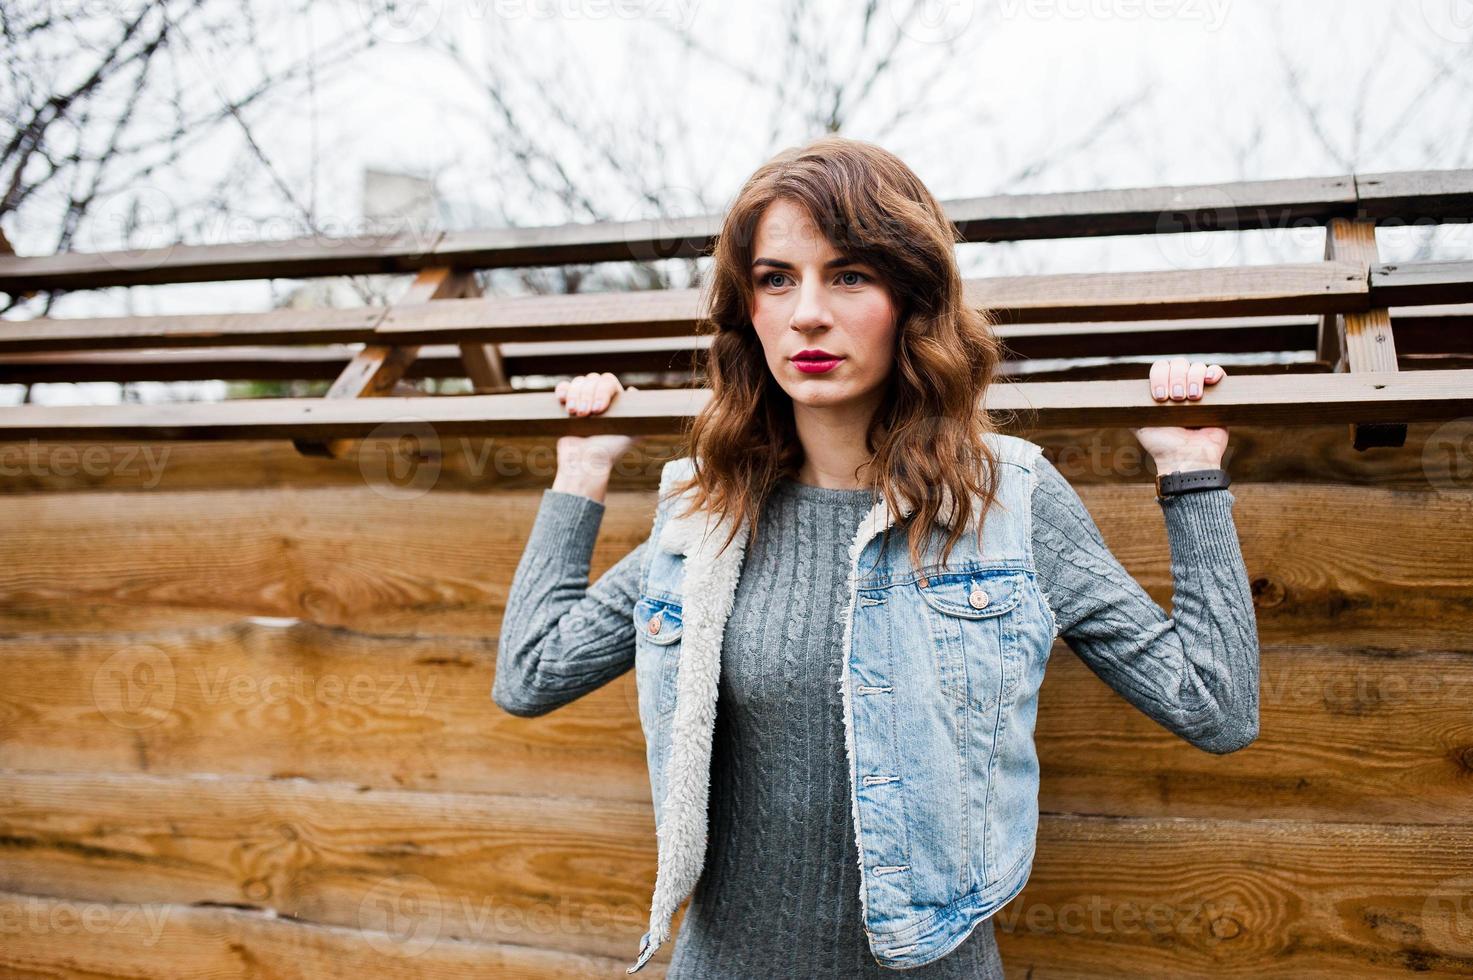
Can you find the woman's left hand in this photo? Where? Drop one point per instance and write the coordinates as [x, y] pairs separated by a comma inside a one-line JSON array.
[[1177, 448]]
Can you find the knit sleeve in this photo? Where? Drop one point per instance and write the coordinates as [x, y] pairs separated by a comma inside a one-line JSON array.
[[560, 637], [1194, 672]]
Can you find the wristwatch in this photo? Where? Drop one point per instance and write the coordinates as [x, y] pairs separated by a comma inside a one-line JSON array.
[[1190, 481]]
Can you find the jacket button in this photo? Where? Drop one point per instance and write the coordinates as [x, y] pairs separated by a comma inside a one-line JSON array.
[[978, 599], [655, 623]]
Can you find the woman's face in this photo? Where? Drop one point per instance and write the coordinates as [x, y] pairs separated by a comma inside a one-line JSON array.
[[809, 298]]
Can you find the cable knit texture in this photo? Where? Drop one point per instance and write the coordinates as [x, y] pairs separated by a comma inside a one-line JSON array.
[[779, 894]]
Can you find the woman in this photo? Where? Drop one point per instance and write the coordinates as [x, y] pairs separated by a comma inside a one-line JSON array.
[[865, 796]]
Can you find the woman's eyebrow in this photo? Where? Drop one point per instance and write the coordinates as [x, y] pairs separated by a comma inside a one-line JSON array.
[[830, 264]]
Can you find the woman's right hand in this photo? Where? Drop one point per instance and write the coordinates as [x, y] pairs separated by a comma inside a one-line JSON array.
[[585, 462]]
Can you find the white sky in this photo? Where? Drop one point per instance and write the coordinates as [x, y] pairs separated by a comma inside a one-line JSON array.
[[1380, 86]]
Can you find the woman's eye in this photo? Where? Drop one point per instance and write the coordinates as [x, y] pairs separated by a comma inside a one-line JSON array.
[[861, 275], [767, 279]]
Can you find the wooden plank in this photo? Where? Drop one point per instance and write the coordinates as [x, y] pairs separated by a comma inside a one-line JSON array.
[[548, 872], [1005, 217], [1246, 897], [323, 326], [1419, 330], [64, 937], [1361, 340], [1235, 291], [484, 364], [326, 363], [1393, 284], [1249, 898], [1350, 562], [1415, 197], [1250, 399], [1347, 733], [277, 700], [375, 370], [294, 258], [1153, 210], [1086, 455], [282, 699]]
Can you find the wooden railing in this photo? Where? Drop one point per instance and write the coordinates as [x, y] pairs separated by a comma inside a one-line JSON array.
[[1390, 342]]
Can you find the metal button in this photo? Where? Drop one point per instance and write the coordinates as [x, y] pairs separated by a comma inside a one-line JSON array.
[[655, 623], [978, 599]]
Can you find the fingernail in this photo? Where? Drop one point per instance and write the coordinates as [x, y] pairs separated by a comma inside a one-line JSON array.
[[1176, 391], [1194, 389], [1160, 392]]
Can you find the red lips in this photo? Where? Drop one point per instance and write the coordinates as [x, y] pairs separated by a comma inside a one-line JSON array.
[[815, 360]]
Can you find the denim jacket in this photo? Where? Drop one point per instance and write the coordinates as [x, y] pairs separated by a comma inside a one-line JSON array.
[[940, 678]]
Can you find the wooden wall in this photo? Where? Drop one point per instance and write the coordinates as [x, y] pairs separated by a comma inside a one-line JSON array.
[[246, 727]]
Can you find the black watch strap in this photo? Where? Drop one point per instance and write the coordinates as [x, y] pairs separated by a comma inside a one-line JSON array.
[[1190, 481]]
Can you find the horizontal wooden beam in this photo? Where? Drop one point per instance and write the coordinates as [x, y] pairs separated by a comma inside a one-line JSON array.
[[1420, 330], [1429, 282], [1248, 399], [1313, 287], [1416, 197], [1419, 196]]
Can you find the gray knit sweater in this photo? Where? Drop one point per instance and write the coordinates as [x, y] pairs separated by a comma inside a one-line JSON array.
[[779, 895]]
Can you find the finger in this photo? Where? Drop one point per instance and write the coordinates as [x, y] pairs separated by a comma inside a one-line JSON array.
[[561, 390], [587, 393], [578, 395], [605, 387], [1160, 375], [1215, 373], [1195, 372], [1178, 378]]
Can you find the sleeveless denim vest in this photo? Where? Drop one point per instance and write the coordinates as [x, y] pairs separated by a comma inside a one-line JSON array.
[[940, 678]]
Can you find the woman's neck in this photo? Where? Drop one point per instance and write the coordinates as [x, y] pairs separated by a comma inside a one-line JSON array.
[[833, 439]]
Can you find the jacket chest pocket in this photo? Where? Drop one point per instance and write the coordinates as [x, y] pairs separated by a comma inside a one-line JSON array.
[[971, 619], [658, 624]]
